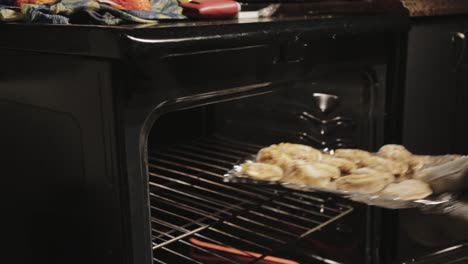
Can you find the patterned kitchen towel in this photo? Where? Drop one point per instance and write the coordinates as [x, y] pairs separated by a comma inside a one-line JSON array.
[[108, 12]]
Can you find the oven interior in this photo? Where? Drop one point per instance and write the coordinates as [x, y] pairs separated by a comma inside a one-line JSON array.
[[196, 217]]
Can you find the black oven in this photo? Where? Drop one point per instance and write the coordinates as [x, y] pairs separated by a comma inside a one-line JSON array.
[[116, 139]]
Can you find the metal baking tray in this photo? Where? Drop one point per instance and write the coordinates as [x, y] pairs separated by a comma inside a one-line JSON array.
[[235, 175]]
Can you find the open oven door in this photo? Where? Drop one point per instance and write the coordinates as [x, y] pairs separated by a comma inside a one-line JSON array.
[[434, 236], [456, 254]]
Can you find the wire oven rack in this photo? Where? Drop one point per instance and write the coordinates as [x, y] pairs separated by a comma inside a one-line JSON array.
[[191, 206]]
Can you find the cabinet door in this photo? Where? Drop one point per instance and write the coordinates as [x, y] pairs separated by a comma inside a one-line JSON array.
[[430, 87]]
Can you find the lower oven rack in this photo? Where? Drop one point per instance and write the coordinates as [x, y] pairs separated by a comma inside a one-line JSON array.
[[189, 201]]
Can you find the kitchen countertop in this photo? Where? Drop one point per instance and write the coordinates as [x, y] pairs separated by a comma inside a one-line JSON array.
[[106, 41], [420, 8]]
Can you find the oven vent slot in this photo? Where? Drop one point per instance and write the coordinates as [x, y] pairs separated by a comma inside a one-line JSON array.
[[190, 202]]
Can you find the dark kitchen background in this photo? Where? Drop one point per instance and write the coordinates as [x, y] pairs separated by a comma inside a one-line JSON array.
[[120, 119]]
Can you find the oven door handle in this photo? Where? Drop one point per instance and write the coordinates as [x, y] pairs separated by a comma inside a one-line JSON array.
[[258, 37], [459, 37]]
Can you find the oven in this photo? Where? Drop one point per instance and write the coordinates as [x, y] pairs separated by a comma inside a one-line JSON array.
[[116, 139]]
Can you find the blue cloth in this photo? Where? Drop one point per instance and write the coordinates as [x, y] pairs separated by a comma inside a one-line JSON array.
[[64, 11]]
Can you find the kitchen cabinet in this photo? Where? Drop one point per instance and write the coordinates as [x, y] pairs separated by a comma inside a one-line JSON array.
[[437, 87]]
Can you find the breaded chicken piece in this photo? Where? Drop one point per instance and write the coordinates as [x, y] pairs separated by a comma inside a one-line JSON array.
[[395, 152], [313, 174], [354, 155], [382, 164], [300, 152], [284, 153], [369, 171], [345, 166], [361, 183], [407, 190], [401, 154], [262, 171], [417, 162], [271, 155]]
